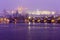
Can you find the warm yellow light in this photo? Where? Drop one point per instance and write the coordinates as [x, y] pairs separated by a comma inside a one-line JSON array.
[[33, 20], [38, 20], [5, 19], [29, 17], [45, 20], [1, 19], [58, 18], [46, 12], [41, 12], [20, 8], [52, 20]]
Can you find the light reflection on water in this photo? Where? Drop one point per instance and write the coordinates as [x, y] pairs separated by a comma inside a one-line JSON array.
[[45, 32], [42, 31]]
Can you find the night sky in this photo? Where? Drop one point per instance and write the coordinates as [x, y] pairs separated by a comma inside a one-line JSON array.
[[31, 4]]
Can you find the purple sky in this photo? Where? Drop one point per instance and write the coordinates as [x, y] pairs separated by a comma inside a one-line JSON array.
[[31, 4]]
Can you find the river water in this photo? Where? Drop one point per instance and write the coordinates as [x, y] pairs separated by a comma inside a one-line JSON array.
[[21, 31]]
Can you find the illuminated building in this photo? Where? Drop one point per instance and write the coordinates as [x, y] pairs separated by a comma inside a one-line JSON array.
[[37, 12]]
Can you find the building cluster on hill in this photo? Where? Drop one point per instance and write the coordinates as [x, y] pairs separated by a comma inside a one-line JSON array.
[[25, 16]]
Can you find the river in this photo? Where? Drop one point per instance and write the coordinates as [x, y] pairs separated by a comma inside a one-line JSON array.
[[21, 31]]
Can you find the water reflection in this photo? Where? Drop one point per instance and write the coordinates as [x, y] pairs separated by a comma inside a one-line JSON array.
[[30, 32], [44, 32]]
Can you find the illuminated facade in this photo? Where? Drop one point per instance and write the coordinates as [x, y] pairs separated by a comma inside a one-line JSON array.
[[42, 12]]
